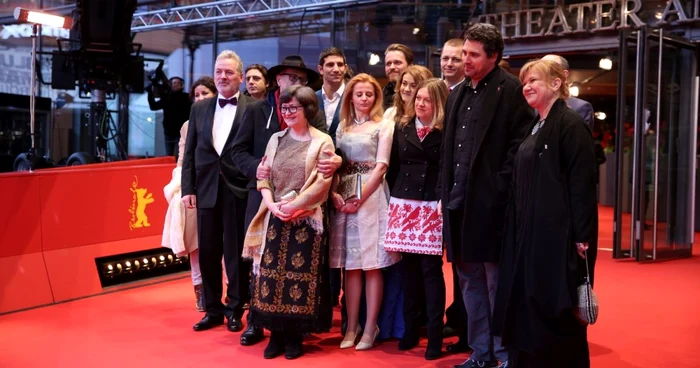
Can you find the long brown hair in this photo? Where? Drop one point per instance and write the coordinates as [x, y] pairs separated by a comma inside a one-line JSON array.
[[347, 110], [419, 74], [437, 91]]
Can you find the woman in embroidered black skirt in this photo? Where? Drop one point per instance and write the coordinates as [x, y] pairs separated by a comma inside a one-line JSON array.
[[288, 239]]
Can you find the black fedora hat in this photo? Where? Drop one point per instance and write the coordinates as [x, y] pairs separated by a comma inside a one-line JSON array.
[[293, 62]]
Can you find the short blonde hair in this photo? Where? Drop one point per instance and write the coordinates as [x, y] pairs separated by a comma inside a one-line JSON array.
[[228, 54], [550, 71], [419, 74], [437, 91], [347, 110]]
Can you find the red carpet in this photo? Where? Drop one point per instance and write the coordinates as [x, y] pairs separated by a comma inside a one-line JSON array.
[[648, 318]]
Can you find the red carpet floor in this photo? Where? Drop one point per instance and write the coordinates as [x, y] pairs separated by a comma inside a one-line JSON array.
[[649, 318]]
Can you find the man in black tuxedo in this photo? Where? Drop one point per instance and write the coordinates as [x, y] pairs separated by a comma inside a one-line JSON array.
[[261, 121], [486, 118], [212, 183]]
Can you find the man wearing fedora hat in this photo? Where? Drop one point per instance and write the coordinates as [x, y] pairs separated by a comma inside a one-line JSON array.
[[261, 120]]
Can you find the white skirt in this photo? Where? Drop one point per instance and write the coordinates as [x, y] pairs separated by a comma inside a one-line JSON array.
[[413, 227]]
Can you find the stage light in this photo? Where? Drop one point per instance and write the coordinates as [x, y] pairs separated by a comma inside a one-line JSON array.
[[600, 115], [170, 257], [31, 16], [128, 264], [162, 258], [573, 90], [416, 30], [373, 59], [109, 267], [605, 63], [145, 261]]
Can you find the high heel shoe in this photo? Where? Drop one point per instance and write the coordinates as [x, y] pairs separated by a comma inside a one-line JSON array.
[[347, 343], [367, 345]]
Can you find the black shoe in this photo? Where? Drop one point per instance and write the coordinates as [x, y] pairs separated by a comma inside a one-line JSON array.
[[234, 324], [252, 335], [275, 347], [408, 341], [470, 363], [458, 347], [208, 322], [294, 346], [449, 331], [432, 353]]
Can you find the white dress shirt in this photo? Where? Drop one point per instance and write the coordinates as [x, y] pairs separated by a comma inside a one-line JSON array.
[[331, 104], [455, 85], [223, 121]]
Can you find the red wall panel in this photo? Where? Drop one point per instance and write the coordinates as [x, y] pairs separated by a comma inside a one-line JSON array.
[[20, 206], [89, 207]]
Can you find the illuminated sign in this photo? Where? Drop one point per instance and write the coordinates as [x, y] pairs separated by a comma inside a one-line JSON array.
[[588, 17]]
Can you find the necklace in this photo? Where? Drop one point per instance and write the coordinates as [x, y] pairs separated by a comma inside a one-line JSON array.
[[537, 127], [360, 122]]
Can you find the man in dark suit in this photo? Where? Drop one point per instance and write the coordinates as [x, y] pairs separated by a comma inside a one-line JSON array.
[[582, 107], [261, 120], [486, 118], [452, 68], [213, 184], [332, 67]]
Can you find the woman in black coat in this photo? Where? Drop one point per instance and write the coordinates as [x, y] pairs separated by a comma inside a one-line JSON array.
[[552, 219], [414, 226]]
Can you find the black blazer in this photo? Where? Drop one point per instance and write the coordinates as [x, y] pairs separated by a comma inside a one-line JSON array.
[[503, 123], [259, 123], [414, 165], [336, 116], [201, 165]]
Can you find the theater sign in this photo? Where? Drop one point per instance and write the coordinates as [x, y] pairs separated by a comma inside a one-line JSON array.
[[589, 17]]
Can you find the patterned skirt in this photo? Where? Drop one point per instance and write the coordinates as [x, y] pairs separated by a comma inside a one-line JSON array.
[[413, 227], [292, 289]]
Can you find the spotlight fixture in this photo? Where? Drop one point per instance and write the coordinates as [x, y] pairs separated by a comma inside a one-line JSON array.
[[573, 90], [374, 59], [416, 30], [605, 63], [600, 115], [32, 16]]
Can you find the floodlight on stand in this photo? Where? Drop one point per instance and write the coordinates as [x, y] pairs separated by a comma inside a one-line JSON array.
[[37, 19]]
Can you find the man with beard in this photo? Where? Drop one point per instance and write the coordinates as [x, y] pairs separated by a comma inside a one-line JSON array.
[[486, 118], [256, 81], [397, 58]]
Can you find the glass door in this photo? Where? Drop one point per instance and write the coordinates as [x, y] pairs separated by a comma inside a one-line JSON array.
[[655, 189]]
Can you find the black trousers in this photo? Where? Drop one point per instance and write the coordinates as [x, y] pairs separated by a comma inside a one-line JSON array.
[[423, 290], [221, 232], [456, 313]]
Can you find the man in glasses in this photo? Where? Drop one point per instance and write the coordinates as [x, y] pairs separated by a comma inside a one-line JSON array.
[[261, 120]]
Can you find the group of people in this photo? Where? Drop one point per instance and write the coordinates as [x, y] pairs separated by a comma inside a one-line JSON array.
[[297, 195]]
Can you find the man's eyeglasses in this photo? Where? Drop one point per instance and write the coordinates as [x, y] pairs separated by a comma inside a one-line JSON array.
[[291, 109], [295, 78]]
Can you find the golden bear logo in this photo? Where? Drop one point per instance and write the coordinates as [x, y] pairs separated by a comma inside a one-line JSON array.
[[138, 205]]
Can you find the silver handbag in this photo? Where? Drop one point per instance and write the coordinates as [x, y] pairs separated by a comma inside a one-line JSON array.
[[587, 309]]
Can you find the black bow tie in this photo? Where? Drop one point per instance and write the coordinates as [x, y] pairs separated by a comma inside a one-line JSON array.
[[223, 102]]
